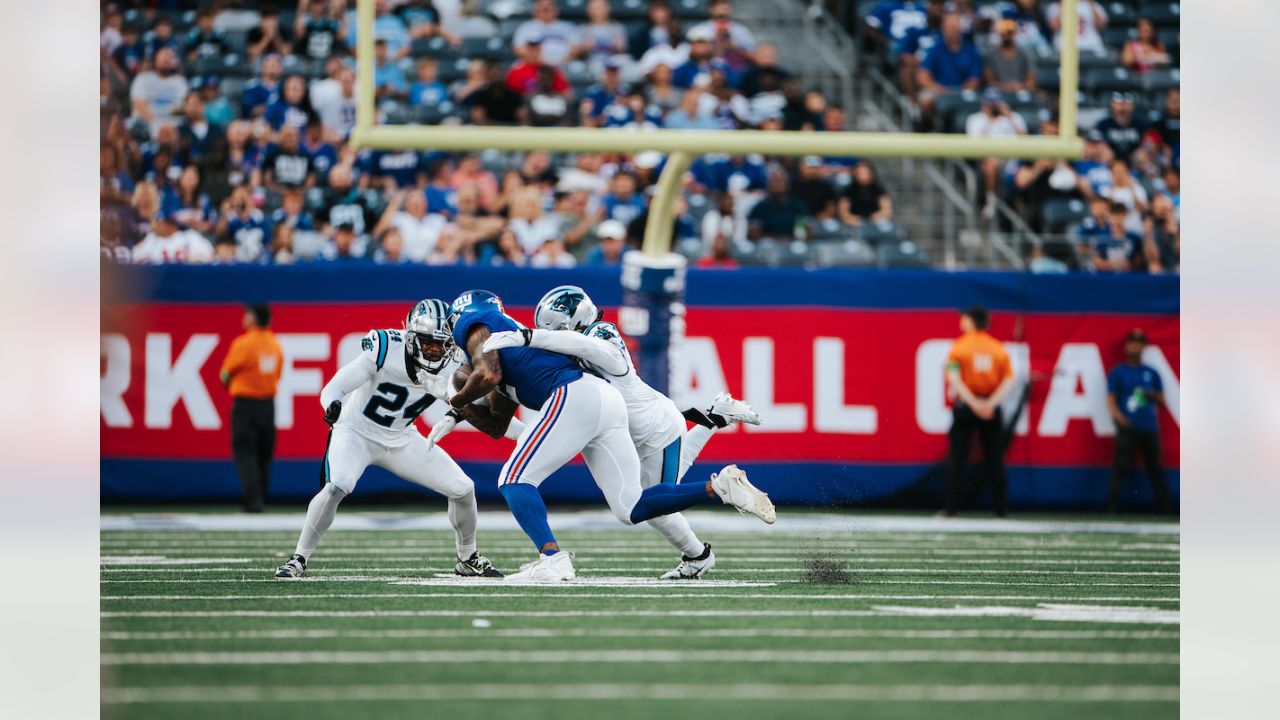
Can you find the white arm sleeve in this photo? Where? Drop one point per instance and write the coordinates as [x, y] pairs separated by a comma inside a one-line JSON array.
[[347, 379], [603, 355], [514, 429]]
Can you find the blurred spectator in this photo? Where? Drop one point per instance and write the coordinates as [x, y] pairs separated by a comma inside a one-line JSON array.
[[262, 89], [202, 41], [161, 158], [660, 90], [547, 106], [471, 21], [224, 252], [574, 224], [993, 119], [623, 203], [388, 78], [1097, 222], [558, 40], [865, 199], [1094, 167], [661, 29], [441, 197], [891, 24], [115, 185], [241, 220], [1134, 394], [1173, 188], [719, 257], [187, 204], [168, 243], [477, 228], [390, 170], [335, 102], [691, 113], [344, 247], [281, 250], [1168, 126], [778, 215], [292, 213], [524, 75], [129, 56], [1120, 129], [1093, 20], [532, 230], [722, 221], [552, 255], [161, 37], [766, 75], [1144, 51], [424, 21], [586, 175], [387, 26], [471, 174], [536, 169], [1126, 191], [427, 88], [419, 230], [243, 154], [318, 28], [344, 203], [292, 108], [218, 110], [602, 94], [631, 111], [1038, 263], [322, 153], [1008, 66], [110, 37], [284, 164], [509, 186], [1115, 250], [812, 187], [612, 245], [950, 66], [269, 37], [601, 37], [507, 251], [735, 174], [486, 96], [734, 41], [145, 205], [157, 94], [1162, 236], [702, 60]]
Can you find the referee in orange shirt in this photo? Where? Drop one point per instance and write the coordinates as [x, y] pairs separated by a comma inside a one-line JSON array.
[[251, 373], [979, 373]]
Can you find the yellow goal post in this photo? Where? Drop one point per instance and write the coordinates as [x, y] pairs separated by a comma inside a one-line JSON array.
[[682, 145]]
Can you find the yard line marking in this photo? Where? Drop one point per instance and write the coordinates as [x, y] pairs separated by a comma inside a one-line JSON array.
[[350, 558], [656, 692], [528, 657], [1079, 613], [419, 633], [165, 560]]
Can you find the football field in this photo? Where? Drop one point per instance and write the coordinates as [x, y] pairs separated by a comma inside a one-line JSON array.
[[820, 616]]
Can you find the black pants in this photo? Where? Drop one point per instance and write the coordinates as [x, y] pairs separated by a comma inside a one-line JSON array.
[[253, 442], [1147, 442], [963, 425]]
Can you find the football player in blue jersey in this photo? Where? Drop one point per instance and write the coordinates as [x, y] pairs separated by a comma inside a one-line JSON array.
[[577, 412]]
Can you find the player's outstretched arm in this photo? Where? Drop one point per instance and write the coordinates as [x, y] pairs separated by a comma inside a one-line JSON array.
[[601, 353], [492, 419], [486, 371], [348, 378]]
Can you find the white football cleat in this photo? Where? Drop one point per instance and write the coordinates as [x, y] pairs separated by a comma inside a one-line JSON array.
[[732, 487], [693, 568], [728, 409], [546, 569]]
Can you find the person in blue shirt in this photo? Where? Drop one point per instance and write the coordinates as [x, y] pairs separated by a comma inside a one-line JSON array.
[[1134, 393], [388, 78], [291, 107], [404, 168], [608, 91], [262, 90], [322, 153], [576, 412], [722, 173], [427, 89], [950, 66], [623, 203]]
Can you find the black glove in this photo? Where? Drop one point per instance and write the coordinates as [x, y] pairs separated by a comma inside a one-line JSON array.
[[332, 412], [528, 335]]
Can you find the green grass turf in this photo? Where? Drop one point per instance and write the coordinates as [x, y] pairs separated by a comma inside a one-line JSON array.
[[793, 648]]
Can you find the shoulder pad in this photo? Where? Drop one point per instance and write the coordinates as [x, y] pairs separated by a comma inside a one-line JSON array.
[[378, 344]]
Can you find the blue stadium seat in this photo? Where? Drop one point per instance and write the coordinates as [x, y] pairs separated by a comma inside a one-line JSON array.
[[902, 254], [828, 230], [691, 248], [883, 232], [574, 11], [1116, 37], [1048, 78], [451, 71], [397, 113], [690, 9], [435, 47], [1172, 39], [1058, 214], [1161, 79], [578, 72], [1162, 14], [236, 66], [846, 253], [1108, 80], [435, 114], [238, 40], [504, 9], [1120, 15], [493, 49], [1094, 59], [629, 9]]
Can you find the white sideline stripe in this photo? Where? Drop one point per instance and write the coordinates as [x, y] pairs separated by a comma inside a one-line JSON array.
[[165, 560], [1077, 613], [602, 520], [416, 633], [499, 594], [645, 562], [665, 691], [644, 544], [549, 657]]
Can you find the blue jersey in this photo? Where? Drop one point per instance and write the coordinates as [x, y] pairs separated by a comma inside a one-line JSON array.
[[529, 375], [1129, 384]]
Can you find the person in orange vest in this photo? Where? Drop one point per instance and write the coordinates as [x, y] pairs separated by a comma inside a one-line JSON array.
[[251, 373], [980, 375]]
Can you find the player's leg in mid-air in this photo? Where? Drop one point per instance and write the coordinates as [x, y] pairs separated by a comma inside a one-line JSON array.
[[725, 410], [345, 460], [432, 468]]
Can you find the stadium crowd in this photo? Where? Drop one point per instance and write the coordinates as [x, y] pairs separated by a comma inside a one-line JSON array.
[[224, 134], [990, 69]]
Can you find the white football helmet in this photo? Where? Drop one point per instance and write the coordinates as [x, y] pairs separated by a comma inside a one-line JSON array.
[[427, 324], [567, 307]]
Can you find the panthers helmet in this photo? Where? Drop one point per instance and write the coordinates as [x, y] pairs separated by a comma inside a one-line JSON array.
[[428, 321], [567, 307]]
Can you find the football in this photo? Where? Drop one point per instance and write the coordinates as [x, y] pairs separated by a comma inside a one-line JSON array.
[[460, 375]]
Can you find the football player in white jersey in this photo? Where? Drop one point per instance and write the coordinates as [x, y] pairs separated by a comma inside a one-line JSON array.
[[371, 404], [569, 323]]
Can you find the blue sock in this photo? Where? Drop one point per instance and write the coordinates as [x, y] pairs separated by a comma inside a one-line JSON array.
[[530, 511], [665, 499]]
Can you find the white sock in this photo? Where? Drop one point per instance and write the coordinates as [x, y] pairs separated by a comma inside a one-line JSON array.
[[694, 441], [462, 515], [675, 528], [319, 517]]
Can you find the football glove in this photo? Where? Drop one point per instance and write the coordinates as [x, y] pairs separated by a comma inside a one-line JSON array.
[[332, 412], [507, 339], [442, 428]]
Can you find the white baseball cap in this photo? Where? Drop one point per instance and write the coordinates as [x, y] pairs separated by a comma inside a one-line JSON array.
[[612, 229]]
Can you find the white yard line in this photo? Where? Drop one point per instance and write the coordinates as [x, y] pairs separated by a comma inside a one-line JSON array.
[[552, 633], [339, 559], [557, 657], [602, 520], [657, 692]]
